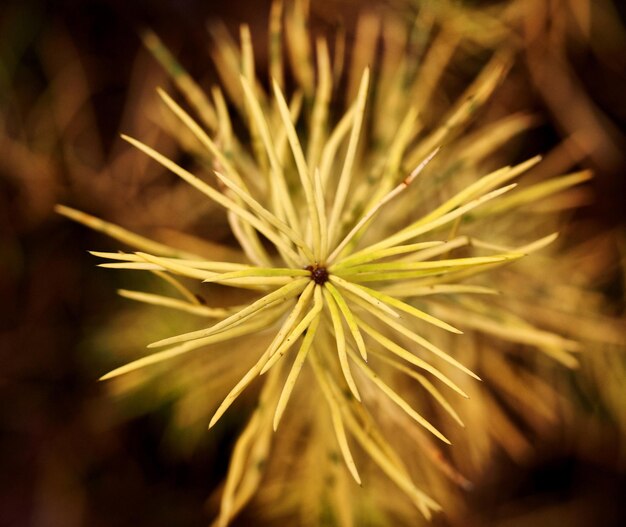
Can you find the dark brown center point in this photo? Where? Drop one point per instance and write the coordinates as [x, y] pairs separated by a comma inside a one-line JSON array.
[[319, 274]]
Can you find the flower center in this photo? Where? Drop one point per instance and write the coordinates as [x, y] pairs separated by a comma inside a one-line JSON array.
[[319, 274]]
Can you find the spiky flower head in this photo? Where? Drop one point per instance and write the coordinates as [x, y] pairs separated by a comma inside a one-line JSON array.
[[352, 225]]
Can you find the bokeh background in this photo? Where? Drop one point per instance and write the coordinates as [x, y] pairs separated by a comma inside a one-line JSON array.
[[73, 74]]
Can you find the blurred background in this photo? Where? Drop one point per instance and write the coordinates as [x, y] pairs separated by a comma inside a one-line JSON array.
[[73, 75]]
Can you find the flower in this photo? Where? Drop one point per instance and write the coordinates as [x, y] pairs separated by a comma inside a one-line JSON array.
[[352, 227]]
